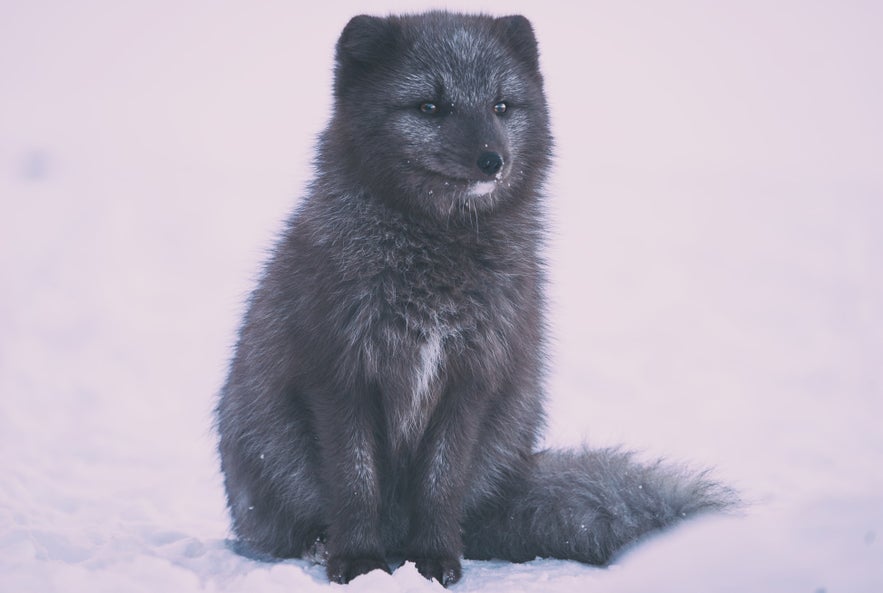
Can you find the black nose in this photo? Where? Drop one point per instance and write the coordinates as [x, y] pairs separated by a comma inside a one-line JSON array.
[[490, 163]]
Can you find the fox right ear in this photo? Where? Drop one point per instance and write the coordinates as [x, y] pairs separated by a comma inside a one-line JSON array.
[[366, 39], [365, 42]]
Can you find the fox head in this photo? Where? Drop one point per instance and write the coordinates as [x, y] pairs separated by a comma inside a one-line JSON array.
[[443, 113]]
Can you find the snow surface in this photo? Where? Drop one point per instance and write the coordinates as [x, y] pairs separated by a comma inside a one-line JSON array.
[[716, 294]]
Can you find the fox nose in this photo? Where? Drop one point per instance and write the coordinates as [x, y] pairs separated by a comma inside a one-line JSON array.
[[490, 163]]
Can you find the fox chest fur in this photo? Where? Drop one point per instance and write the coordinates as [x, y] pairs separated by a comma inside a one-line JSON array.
[[414, 307]]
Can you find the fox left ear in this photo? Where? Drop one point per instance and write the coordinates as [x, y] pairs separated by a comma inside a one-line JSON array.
[[518, 32]]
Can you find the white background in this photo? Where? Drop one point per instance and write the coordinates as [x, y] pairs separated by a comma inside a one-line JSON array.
[[716, 277]]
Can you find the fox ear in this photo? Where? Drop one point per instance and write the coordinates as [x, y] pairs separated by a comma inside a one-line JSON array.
[[366, 41], [517, 31]]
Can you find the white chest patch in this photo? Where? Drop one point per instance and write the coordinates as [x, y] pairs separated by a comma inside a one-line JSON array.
[[420, 404], [428, 365]]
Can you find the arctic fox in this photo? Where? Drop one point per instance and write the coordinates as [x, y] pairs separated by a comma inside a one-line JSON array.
[[385, 397]]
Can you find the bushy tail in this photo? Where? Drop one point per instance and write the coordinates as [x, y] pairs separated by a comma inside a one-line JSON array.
[[587, 505]]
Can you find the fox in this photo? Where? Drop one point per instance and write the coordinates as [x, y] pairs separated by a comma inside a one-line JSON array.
[[385, 399]]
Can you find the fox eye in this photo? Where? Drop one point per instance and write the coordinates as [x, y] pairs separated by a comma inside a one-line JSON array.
[[429, 108], [501, 108]]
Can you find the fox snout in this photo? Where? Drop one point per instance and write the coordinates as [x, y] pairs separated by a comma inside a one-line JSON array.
[[490, 163]]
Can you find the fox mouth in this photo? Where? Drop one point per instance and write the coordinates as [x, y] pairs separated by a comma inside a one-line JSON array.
[[471, 186], [483, 188]]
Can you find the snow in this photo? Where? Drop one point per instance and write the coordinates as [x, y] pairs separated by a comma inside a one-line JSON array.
[[717, 240]]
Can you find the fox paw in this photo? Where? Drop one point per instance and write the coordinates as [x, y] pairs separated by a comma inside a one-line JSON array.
[[446, 571], [343, 569]]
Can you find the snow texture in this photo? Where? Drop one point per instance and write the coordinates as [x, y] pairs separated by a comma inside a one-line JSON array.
[[716, 262]]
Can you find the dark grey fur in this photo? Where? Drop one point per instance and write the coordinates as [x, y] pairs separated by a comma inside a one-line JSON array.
[[386, 394]]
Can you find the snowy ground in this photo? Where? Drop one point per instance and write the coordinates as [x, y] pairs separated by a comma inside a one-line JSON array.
[[717, 271]]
